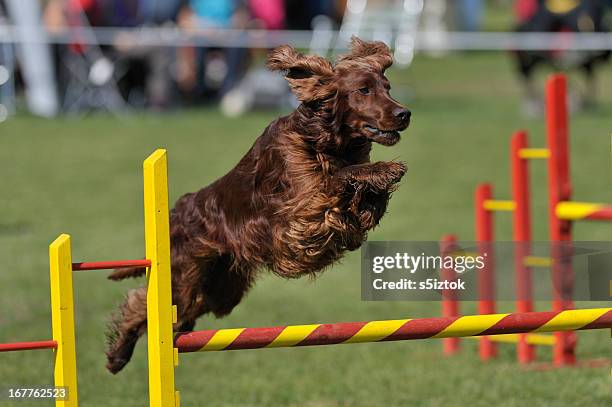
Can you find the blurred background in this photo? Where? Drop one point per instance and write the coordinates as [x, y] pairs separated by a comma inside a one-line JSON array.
[[89, 88], [74, 56]]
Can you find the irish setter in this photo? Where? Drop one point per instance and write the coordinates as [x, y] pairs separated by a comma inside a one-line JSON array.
[[305, 193]]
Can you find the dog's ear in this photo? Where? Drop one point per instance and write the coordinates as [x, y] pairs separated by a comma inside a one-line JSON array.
[[309, 76], [375, 53]]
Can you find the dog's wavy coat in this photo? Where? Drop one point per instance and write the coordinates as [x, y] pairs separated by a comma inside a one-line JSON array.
[[305, 193]]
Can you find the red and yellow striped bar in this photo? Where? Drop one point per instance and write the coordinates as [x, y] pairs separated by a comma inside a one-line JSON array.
[[393, 330], [583, 211]]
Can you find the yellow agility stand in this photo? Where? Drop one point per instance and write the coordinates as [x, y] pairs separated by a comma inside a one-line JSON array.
[[160, 312], [62, 319]]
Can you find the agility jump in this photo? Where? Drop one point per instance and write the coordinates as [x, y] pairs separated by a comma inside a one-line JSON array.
[[164, 347], [392, 330], [562, 212], [502, 326], [62, 302], [62, 316]]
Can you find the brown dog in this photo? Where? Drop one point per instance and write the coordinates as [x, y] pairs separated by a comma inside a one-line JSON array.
[[304, 193]]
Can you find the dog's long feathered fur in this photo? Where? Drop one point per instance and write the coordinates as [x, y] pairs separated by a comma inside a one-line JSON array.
[[304, 194]]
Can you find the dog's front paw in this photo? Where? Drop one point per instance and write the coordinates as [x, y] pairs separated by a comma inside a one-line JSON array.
[[377, 177], [396, 171], [387, 174]]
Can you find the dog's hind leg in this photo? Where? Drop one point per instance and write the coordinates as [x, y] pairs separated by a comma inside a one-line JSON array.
[[125, 329], [130, 323]]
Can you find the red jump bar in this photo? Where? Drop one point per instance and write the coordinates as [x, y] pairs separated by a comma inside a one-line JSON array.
[[17, 346], [104, 265]]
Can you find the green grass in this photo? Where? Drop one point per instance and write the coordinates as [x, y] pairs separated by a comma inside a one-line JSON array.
[[83, 177]]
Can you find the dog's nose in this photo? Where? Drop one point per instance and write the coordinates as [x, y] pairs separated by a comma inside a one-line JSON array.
[[402, 114]]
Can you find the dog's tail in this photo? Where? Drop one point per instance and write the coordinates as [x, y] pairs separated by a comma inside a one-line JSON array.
[[127, 272]]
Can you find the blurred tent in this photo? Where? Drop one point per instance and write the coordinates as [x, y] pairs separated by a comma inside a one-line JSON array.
[[7, 69], [34, 56]]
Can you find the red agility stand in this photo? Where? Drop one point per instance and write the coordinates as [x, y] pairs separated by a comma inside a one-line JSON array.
[[521, 226], [486, 278], [559, 190], [562, 212]]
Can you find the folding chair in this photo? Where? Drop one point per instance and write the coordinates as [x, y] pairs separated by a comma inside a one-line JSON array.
[[90, 75]]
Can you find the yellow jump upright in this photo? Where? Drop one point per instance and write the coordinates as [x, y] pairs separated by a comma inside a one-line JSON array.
[[62, 317], [160, 312]]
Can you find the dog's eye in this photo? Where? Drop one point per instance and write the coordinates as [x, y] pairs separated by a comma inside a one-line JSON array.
[[364, 91]]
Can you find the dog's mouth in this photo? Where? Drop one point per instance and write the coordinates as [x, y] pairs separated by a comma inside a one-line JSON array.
[[384, 137]]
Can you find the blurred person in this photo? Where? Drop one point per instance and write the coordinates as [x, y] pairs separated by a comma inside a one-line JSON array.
[[268, 14], [560, 16], [299, 14], [210, 71], [146, 67], [159, 60], [434, 24], [468, 14], [260, 88]]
